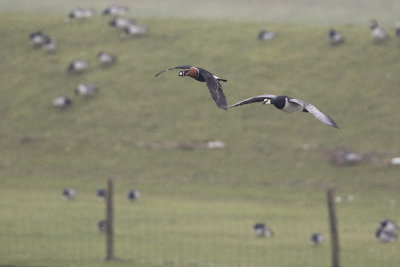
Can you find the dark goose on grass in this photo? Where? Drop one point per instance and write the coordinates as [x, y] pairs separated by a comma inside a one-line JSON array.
[[316, 239], [101, 226], [133, 194], [335, 38], [68, 193], [62, 102], [387, 231], [377, 33], [115, 11], [106, 58], [77, 66], [262, 230], [38, 39], [202, 75], [266, 35], [80, 14], [135, 30], [288, 104], [121, 22], [101, 194], [86, 89]]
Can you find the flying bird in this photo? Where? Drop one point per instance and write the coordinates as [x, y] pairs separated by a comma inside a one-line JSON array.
[[288, 104], [202, 75]]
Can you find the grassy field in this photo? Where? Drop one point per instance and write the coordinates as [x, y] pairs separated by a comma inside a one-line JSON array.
[[198, 205]]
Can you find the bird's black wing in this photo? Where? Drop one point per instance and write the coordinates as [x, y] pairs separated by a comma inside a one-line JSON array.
[[322, 117], [174, 68], [254, 99], [216, 92]]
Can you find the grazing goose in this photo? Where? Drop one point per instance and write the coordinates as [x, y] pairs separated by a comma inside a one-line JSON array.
[[101, 226], [288, 104], [266, 35], [202, 75], [133, 194], [377, 33], [78, 66], [62, 102], [335, 38], [38, 39], [106, 58], [316, 239], [115, 11], [86, 89], [69, 193], [50, 45], [121, 22], [135, 29], [101, 194], [261, 230], [79, 14], [387, 231]]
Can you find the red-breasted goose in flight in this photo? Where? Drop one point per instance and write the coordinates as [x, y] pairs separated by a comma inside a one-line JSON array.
[[288, 104], [202, 75]]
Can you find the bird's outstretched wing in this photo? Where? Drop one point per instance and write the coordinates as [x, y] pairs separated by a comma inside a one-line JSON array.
[[322, 117], [216, 92], [254, 99], [174, 68]]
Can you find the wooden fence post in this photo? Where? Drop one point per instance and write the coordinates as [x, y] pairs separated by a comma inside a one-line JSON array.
[[109, 221], [333, 227]]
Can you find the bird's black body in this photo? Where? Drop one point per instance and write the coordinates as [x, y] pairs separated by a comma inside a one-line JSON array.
[[202, 75]]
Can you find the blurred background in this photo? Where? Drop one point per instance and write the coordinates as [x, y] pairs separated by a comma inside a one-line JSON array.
[[195, 185]]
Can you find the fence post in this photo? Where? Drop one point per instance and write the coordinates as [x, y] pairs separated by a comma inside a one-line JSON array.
[[333, 227], [109, 221]]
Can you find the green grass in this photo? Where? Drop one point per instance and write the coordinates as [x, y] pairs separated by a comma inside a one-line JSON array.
[[198, 206]]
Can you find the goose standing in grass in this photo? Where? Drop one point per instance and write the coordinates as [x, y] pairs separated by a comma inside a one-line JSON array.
[[77, 66], [115, 11], [86, 89], [79, 14], [50, 45], [69, 193], [38, 39], [202, 75], [62, 102], [387, 231], [105, 58], [133, 195], [121, 22], [135, 30], [101, 194], [101, 226], [377, 33], [335, 38], [316, 239], [267, 35], [261, 230], [288, 104]]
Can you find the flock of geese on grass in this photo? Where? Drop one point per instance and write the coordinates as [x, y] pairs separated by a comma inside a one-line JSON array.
[[70, 194], [130, 27]]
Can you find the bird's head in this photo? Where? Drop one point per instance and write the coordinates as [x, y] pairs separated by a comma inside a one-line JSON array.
[[183, 73]]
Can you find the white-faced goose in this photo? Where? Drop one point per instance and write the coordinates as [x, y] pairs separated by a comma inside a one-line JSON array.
[[316, 239], [387, 231], [68, 193], [106, 58], [377, 33], [335, 38], [86, 89], [77, 66], [135, 29], [121, 22], [80, 14], [133, 194], [62, 102], [261, 230], [202, 75], [115, 11], [288, 104], [266, 35]]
